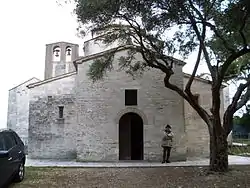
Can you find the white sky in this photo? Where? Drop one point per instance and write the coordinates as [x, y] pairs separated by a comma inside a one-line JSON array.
[[26, 27]]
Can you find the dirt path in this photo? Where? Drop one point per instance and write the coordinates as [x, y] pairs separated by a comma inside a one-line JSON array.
[[164, 177]]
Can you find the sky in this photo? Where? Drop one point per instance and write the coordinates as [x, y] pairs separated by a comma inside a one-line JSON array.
[[26, 27]]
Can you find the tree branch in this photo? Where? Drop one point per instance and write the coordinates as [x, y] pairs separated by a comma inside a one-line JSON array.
[[206, 55], [216, 32], [196, 10], [203, 113], [213, 70], [245, 98], [152, 59], [230, 60], [241, 30], [191, 79], [233, 106]]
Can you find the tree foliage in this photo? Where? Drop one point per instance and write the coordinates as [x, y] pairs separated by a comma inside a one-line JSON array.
[[244, 120], [219, 30]]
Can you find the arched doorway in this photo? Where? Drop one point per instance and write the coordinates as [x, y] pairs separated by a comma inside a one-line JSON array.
[[131, 137]]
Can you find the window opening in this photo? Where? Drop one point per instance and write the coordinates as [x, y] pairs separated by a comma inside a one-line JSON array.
[[68, 54], [131, 97], [60, 111], [56, 54]]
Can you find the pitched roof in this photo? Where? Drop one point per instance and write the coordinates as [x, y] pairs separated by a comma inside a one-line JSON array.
[[203, 79], [82, 59], [25, 82], [50, 80], [62, 42]]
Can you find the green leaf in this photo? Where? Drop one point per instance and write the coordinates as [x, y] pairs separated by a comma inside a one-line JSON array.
[[100, 66]]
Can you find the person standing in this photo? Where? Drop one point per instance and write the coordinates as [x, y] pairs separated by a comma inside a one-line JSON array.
[[167, 143]]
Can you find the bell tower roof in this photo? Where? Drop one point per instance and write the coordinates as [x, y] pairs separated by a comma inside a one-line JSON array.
[[61, 42]]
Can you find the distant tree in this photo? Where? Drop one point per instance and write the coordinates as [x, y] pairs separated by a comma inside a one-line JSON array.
[[244, 120], [236, 120], [218, 29]]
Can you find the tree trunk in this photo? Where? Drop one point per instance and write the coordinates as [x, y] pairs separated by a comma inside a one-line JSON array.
[[218, 151]]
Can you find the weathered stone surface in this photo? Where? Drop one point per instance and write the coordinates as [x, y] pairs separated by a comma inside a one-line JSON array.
[[100, 104], [18, 109], [60, 68], [49, 135]]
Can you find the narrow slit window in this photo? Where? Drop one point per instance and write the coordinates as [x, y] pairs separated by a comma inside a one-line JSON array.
[[131, 97], [60, 111], [49, 98]]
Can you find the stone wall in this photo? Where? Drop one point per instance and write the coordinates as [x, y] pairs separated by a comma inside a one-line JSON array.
[[226, 97], [18, 109], [59, 69], [94, 46], [197, 131], [101, 104], [49, 135]]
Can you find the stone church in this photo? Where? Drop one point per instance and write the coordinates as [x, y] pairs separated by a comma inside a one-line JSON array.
[[67, 116]]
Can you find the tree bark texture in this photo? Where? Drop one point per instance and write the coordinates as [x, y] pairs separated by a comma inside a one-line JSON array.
[[218, 150]]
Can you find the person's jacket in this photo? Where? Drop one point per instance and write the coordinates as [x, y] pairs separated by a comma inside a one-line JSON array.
[[167, 140]]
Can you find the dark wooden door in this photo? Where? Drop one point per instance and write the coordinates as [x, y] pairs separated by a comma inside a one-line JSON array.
[[136, 138], [125, 138], [131, 137]]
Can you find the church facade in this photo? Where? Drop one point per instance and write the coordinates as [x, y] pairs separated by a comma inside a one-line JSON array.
[[67, 116]]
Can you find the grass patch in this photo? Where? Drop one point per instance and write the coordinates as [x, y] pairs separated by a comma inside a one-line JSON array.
[[242, 141], [239, 150]]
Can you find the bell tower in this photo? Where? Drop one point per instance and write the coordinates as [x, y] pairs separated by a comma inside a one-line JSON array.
[[59, 58]]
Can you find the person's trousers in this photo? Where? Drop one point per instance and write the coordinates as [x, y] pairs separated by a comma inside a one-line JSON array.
[[166, 151]]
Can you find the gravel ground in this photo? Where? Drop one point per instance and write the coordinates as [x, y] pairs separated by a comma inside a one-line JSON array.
[[164, 177]]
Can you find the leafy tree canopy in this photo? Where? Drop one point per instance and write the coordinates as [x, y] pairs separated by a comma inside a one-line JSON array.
[[154, 19]]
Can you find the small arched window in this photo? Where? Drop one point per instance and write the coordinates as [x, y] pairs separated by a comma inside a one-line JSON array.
[[68, 53], [56, 53]]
